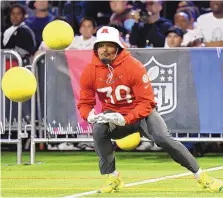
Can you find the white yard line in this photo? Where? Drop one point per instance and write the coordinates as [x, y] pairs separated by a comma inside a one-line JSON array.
[[145, 182]]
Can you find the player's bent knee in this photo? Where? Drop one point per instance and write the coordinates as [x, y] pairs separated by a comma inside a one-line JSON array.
[[159, 139]]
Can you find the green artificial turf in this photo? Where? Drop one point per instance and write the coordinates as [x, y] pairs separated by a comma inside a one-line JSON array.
[[58, 174]]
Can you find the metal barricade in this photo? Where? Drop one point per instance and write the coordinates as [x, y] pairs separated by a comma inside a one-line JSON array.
[[40, 132], [47, 134], [9, 125]]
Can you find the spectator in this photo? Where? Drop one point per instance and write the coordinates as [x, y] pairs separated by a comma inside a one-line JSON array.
[[174, 37], [19, 36], [152, 32], [186, 18], [182, 20], [41, 18], [192, 13], [209, 28], [86, 39], [120, 11]]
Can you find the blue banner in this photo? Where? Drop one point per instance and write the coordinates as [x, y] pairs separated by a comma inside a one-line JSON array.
[[207, 67]]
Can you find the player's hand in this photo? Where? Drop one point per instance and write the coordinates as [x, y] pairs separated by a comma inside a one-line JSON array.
[[92, 118], [115, 118], [100, 120]]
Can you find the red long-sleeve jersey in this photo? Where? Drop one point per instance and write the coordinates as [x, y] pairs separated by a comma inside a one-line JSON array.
[[129, 92]]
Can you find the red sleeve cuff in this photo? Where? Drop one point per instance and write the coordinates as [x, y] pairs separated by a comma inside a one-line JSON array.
[[84, 113]]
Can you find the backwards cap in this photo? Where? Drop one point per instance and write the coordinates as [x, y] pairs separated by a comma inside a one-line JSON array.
[[108, 34]]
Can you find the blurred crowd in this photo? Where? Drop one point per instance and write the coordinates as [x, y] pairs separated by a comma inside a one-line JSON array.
[[142, 24]]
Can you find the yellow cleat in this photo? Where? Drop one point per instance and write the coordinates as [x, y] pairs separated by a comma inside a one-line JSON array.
[[210, 183], [113, 184]]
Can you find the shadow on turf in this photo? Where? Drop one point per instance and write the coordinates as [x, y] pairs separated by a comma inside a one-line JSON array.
[[148, 156]]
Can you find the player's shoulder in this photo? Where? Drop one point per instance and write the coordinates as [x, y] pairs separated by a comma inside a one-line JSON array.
[[133, 64]]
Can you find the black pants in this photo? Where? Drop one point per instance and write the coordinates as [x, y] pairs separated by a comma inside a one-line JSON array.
[[153, 127]]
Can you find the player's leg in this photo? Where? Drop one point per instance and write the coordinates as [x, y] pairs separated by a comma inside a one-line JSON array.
[[104, 149], [158, 130], [102, 134]]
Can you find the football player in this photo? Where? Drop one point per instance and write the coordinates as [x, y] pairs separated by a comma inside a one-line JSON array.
[[127, 98]]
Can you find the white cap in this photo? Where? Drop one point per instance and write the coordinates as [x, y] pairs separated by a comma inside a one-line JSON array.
[[108, 34]]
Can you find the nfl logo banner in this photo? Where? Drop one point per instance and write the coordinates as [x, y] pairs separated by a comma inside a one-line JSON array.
[[164, 82]]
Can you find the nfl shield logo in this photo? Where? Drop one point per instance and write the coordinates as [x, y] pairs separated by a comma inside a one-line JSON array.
[[164, 82]]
